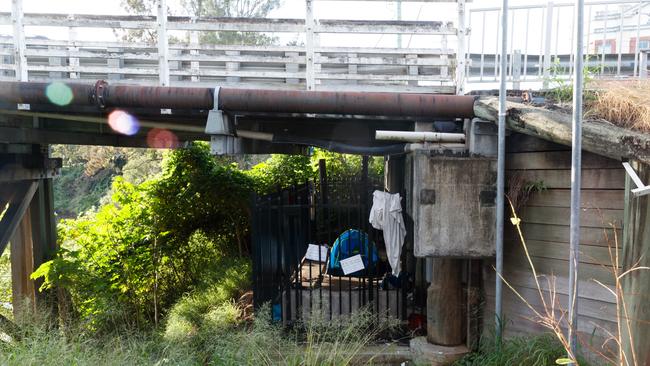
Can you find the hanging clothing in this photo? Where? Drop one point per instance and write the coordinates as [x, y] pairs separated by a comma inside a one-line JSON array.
[[386, 215]]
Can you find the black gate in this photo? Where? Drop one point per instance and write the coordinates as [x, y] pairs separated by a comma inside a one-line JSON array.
[[287, 222]]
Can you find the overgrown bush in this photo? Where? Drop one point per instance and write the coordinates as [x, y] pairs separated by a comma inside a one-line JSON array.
[[185, 231], [280, 171], [132, 260]]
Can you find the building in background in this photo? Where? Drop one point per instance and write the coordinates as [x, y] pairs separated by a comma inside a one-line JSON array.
[[615, 30]]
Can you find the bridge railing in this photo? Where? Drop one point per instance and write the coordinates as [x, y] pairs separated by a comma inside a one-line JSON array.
[[170, 61], [541, 41]]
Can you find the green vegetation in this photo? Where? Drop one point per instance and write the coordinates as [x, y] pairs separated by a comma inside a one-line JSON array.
[[221, 339], [88, 172], [542, 350], [131, 260], [153, 267], [5, 283], [562, 88]]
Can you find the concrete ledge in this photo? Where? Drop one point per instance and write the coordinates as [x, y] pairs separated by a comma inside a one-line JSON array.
[[433, 354]]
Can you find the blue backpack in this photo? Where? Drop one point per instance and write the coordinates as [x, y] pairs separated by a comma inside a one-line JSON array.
[[350, 243]]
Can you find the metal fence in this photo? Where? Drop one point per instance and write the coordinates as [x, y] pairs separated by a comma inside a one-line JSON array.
[[284, 225], [542, 36]]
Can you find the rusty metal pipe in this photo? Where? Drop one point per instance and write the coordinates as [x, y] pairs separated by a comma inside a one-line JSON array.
[[247, 100]]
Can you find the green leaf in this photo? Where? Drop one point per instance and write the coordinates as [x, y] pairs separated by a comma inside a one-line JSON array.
[[564, 361]]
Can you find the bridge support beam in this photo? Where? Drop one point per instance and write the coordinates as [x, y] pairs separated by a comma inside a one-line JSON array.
[[27, 223]]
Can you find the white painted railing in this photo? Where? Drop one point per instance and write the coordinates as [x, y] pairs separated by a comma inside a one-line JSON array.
[[541, 37], [161, 62]]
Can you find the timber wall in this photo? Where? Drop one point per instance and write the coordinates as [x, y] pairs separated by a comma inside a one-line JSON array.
[[545, 227]]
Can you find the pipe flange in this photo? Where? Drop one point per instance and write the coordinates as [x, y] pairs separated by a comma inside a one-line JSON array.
[[98, 95]]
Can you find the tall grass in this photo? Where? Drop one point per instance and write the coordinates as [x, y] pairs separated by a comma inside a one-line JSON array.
[[529, 351], [219, 339], [552, 316]]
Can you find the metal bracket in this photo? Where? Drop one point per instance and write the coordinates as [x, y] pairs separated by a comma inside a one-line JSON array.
[[641, 189], [220, 129]]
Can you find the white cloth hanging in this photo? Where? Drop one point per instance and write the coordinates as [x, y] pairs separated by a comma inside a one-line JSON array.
[[386, 215]]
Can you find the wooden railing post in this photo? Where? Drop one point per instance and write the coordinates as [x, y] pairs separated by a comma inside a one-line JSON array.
[[73, 61], [232, 66], [163, 43], [352, 68], [413, 70], [194, 65], [19, 40], [292, 68], [461, 57], [115, 62], [310, 78], [55, 61], [174, 64]]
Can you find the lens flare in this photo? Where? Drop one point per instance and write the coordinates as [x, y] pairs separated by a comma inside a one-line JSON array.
[[161, 139], [59, 93], [124, 123]]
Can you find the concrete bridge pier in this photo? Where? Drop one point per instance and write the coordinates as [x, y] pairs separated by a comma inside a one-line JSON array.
[[27, 223]]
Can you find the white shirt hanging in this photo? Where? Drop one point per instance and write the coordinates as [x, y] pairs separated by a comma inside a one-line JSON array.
[[386, 215]]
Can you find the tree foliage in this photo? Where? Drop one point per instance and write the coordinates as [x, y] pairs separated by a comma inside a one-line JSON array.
[[183, 231], [154, 242], [209, 8]]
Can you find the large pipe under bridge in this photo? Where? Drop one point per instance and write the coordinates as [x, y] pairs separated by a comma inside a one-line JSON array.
[[235, 120], [104, 95]]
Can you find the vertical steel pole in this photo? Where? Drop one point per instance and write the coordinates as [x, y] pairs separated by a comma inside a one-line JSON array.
[[637, 41], [619, 46], [547, 43], [501, 166], [576, 156]]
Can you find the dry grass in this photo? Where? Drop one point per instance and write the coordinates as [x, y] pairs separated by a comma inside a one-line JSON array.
[[624, 103], [553, 317]]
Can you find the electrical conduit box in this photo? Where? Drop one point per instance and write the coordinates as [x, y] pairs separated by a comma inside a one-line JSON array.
[[453, 205]]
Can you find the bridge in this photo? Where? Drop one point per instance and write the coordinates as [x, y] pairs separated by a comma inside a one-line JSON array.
[[267, 98]]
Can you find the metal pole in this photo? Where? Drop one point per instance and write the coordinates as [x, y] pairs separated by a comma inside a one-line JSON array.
[[637, 42], [501, 157], [547, 43], [576, 156]]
